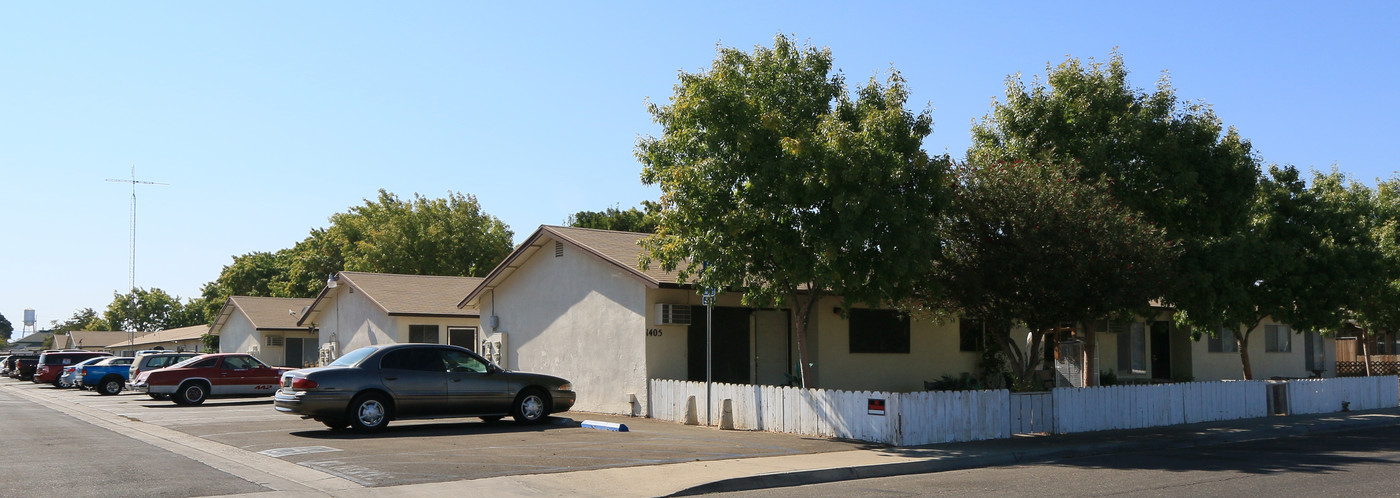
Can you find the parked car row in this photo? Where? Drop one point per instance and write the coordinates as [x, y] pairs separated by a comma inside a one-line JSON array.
[[364, 389], [19, 366]]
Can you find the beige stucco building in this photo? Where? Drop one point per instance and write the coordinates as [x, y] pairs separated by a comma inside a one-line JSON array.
[[115, 342], [574, 302], [267, 328], [358, 309]]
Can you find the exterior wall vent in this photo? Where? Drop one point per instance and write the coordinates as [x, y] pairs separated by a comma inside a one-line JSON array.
[[672, 314], [558, 249]]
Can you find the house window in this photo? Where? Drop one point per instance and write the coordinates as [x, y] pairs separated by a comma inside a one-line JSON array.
[[426, 334], [971, 333], [274, 340], [879, 331], [1223, 342], [1277, 340], [1132, 348]]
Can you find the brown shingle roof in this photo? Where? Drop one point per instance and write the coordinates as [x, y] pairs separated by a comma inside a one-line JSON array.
[[619, 249], [272, 313], [414, 294], [168, 335], [103, 338]]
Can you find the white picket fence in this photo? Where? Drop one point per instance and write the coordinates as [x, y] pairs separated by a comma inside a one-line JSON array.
[[1136, 407], [1327, 395], [927, 417]]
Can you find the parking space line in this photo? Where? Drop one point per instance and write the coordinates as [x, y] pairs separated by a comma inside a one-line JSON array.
[[266, 471]]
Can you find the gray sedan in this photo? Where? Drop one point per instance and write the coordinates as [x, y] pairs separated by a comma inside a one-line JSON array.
[[370, 386]]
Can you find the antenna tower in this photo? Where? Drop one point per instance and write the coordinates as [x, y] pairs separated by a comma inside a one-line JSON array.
[[131, 277]]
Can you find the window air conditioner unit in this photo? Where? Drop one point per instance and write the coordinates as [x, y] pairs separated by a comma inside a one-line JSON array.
[[672, 314]]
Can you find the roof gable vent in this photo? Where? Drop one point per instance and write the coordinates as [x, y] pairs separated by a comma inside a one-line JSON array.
[[558, 249]]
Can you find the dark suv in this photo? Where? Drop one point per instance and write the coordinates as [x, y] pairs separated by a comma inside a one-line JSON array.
[[24, 367], [51, 363]]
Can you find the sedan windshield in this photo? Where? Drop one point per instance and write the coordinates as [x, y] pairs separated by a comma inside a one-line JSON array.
[[352, 357]]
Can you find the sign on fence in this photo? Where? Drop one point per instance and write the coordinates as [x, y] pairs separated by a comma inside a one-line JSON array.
[[875, 407]]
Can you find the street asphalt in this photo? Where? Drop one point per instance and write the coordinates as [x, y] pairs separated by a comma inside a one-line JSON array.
[[287, 456]]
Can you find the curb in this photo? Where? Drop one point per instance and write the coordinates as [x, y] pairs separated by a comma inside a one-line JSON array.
[[1170, 440]]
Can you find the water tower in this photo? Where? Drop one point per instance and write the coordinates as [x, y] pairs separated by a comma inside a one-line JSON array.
[[29, 322]]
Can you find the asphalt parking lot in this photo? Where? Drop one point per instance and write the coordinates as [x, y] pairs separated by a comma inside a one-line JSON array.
[[411, 452]]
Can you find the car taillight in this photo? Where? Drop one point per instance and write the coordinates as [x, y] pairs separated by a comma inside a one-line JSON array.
[[84, 372], [303, 383]]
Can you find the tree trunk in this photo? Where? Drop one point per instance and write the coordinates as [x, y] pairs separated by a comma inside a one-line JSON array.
[[804, 315], [1365, 352], [1091, 357], [1242, 341]]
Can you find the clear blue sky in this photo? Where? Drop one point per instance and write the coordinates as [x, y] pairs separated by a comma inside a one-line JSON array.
[[267, 117]]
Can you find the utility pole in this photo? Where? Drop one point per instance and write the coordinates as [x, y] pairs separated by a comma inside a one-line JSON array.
[[131, 276], [131, 270]]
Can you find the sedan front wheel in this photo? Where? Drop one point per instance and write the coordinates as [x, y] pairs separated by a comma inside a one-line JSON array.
[[530, 407]]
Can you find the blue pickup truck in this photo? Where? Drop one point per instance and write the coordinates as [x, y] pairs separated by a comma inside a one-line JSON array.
[[108, 376]]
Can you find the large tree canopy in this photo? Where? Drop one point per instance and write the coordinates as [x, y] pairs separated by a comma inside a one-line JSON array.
[[449, 236], [1303, 261], [144, 310], [776, 182], [6, 328], [613, 218], [83, 319], [1172, 163], [1032, 243], [1375, 306]]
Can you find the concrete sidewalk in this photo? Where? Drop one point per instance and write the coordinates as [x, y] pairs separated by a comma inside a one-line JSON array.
[[691, 478]]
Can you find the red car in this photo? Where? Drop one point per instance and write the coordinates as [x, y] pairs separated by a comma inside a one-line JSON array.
[[219, 375], [51, 363]]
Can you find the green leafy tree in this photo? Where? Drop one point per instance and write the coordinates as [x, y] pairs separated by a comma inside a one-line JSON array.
[[6, 328], [1303, 258], [1032, 243], [450, 236], [631, 220], [210, 341], [144, 310], [83, 319], [1376, 304], [446, 236], [778, 183], [1170, 161]]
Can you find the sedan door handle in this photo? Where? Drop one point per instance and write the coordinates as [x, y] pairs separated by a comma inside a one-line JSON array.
[[391, 378]]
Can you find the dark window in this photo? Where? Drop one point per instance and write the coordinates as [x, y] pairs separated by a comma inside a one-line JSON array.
[[205, 363], [458, 361], [1277, 340], [420, 358], [1223, 342], [423, 334], [971, 333], [879, 331]]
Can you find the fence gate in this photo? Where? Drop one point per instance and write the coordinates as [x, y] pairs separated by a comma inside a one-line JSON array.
[[1032, 413], [1069, 365]]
